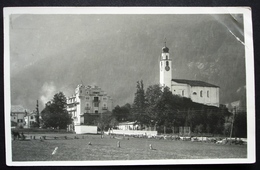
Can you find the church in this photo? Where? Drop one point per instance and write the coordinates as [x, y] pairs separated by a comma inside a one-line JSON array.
[[197, 91]]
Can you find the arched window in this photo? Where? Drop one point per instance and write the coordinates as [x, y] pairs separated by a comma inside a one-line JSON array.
[[166, 57], [182, 92], [201, 93], [207, 93]]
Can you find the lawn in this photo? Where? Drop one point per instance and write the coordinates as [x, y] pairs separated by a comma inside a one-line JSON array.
[[130, 149]]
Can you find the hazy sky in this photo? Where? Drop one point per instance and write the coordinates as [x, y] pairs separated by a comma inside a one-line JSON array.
[[51, 53]]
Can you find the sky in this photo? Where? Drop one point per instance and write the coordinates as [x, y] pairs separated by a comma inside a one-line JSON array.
[[51, 53]]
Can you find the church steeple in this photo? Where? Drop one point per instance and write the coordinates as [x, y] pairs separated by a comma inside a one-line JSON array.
[[165, 68], [165, 49]]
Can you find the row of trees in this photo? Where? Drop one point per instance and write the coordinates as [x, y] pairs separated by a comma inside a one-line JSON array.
[[157, 107], [153, 107]]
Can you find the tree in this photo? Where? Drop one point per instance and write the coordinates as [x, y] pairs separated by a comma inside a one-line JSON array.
[[139, 105], [122, 113], [153, 94], [37, 117], [55, 114], [240, 125]]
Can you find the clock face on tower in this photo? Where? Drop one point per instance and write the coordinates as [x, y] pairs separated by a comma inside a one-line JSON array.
[[167, 68]]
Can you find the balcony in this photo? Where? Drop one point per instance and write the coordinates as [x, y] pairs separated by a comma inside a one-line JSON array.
[[96, 101], [104, 108], [87, 108], [71, 109]]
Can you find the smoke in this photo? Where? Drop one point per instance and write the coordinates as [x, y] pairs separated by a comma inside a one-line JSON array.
[[47, 92]]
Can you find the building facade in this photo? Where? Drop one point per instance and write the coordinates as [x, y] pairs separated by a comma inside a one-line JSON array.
[[197, 91], [88, 102], [17, 115], [30, 120]]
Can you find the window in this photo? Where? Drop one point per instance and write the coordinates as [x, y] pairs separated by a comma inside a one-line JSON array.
[[87, 98], [95, 99], [182, 92], [194, 93], [31, 117], [201, 94], [20, 120], [96, 105], [14, 117], [166, 57], [96, 111], [207, 93]]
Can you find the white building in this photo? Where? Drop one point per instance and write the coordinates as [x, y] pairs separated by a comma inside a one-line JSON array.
[[17, 115], [197, 91], [88, 101], [127, 126], [30, 120]]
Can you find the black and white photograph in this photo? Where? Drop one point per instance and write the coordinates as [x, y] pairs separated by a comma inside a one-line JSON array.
[[128, 86]]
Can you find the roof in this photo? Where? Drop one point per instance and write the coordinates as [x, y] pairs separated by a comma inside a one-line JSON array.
[[127, 123], [194, 83], [17, 108]]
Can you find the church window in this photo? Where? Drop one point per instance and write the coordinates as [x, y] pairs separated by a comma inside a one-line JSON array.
[[167, 63], [166, 57], [182, 92], [194, 93], [207, 93], [201, 94]]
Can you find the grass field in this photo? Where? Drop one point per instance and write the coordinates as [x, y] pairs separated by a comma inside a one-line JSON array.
[[106, 149]]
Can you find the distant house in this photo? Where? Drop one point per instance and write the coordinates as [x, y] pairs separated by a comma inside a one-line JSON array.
[[237, 106], [127, 126], [17, 115], [30, 120]]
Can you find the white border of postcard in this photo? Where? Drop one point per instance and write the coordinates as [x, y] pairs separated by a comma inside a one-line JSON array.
[[246, 11]]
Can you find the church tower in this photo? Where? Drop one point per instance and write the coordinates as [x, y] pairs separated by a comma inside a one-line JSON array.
[[165, 68]]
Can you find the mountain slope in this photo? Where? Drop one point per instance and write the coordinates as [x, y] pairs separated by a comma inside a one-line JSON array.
[[114, 52]]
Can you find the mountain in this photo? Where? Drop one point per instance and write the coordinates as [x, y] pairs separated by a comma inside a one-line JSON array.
[[52, 53]]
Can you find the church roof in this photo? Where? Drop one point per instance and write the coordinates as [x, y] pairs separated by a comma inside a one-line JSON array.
[[194, 83]]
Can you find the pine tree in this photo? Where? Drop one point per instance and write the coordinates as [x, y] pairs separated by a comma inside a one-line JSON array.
[[55, 113], [37, 115], [139, 104]]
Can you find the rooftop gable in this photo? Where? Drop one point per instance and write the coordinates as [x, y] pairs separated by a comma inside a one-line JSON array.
[[17, 108]]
